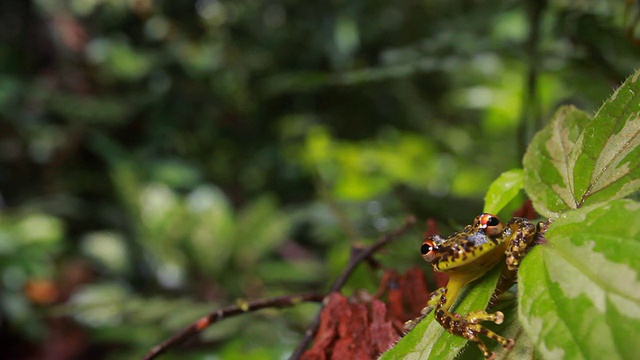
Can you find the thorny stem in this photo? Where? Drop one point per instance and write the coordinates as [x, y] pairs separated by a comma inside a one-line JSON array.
[[358, 255]]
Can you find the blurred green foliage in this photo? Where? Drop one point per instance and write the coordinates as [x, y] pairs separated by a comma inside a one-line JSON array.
[[180, 155]]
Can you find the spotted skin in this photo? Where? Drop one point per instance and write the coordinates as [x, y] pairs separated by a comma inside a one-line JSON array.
[[465, 256]]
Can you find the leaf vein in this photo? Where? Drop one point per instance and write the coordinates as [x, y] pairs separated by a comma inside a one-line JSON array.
[[602, 170]]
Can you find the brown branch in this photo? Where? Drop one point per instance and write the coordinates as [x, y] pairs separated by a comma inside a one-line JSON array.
[[357, 256], [204, 322]]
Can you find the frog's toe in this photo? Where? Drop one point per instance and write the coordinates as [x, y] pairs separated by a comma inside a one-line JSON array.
[[475, 317], [483, 348], [512, 263], [410, 324], [498, 317], [510, 344], [426, 310]]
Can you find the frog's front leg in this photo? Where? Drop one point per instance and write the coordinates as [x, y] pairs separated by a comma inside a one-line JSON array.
[[432, 302], [467, 326], [524, 235]]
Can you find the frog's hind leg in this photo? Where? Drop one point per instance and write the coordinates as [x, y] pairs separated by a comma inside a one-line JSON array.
[[474, 329], [468, 327], [507, 344]]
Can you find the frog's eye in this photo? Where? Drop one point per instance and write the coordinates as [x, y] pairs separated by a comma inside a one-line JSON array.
[[427, 250], [492, 221], [491, 224]]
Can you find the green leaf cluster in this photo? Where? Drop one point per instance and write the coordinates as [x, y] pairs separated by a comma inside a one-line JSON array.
[[579, 290]]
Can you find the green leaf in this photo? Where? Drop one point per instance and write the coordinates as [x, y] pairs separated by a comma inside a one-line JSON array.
[[548, 163], [504, 189], [580, 292], [429, 340], [576, 161]]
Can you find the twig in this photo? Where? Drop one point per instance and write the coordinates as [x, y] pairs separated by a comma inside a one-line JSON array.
[[357, 256], [204, 322]]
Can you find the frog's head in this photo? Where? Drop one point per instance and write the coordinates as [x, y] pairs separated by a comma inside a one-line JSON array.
[[464, 246]]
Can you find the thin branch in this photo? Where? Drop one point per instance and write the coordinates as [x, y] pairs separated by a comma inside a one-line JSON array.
[[204, 322], [357, 256]]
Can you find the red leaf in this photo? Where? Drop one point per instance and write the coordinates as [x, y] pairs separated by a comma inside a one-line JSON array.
[[355, 328]]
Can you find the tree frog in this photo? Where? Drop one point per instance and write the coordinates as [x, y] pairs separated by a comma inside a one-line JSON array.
[[466, 256]]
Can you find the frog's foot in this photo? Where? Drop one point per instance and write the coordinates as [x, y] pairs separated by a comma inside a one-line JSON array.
[[520, 244], [468, 327], [410, 324], [512, 260]]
